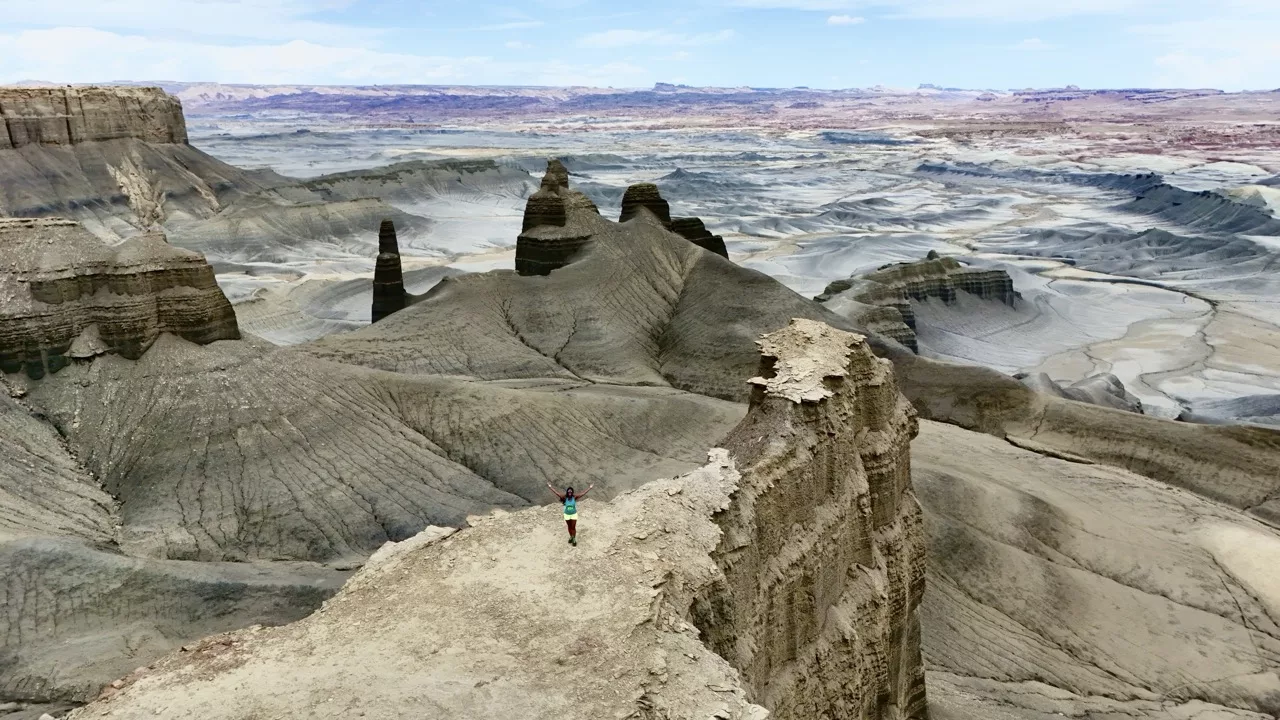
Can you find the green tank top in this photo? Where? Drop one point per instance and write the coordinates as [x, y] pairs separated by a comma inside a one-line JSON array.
[[571, 506]]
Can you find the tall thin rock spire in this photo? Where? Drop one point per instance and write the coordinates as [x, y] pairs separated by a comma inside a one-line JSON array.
[[388, 278]]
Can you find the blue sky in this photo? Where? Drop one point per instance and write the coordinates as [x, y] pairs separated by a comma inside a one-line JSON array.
[[1001, 44]]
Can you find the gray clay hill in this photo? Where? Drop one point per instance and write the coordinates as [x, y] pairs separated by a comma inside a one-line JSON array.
[[795, 515]]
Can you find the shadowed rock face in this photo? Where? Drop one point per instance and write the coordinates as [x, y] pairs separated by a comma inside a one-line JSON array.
[[545, 243], [696, 232], [645, 195], [73, 115], [550, 239], [388, 281], [64, 294]]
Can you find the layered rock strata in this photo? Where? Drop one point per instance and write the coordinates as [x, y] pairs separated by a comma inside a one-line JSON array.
[[896, 286], [74, 115], [823, 549], [66, 295], [388, 280], [696, 232], [548, 241], [934, 277], [798, 550], [648, 197], [645, 195]]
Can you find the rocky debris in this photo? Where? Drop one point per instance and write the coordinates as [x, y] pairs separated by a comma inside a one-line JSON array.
[[1105, 390], [898, 285], [73, 115], [804, 559], [645, 195], [694, 230], [65, 295], [388, 281], [548, 239], [1262, 409]]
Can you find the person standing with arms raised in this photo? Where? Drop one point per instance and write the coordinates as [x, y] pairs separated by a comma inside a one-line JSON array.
[[570, 502]]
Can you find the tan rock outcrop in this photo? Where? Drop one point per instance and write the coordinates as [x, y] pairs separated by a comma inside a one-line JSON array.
[[823, 551], [65, 294], [73, 115], [797, 553]]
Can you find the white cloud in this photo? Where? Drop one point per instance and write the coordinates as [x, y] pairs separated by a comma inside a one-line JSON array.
[[517, 45], [87, 55], [1235, 48], [1032, 44], [244, 19], [845, 20], [628, 38], [1000, 10], [516, 25], [794, 4]]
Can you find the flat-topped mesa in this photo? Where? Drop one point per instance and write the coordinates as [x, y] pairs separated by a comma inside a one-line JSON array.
[[823, 547], [645, 195], [881, 300], [389, 295], [941, 277], [64, 294], [549, 238], [74, 115], [696, 232]]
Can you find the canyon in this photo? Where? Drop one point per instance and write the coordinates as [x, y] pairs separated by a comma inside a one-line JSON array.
[[227, 492]]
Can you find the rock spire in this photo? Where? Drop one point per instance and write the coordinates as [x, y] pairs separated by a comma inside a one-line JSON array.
[[389, 295]]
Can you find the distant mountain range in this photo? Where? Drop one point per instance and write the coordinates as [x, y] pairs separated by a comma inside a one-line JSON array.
[[664, 103]]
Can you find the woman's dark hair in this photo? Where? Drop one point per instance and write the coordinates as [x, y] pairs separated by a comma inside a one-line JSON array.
[[568, 490]]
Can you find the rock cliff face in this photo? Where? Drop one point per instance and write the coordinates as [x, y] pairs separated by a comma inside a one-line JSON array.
[[897, 286], [696, 232], [798, 555], [64, 294], [74, 115], [545, 243], [823, 550]]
